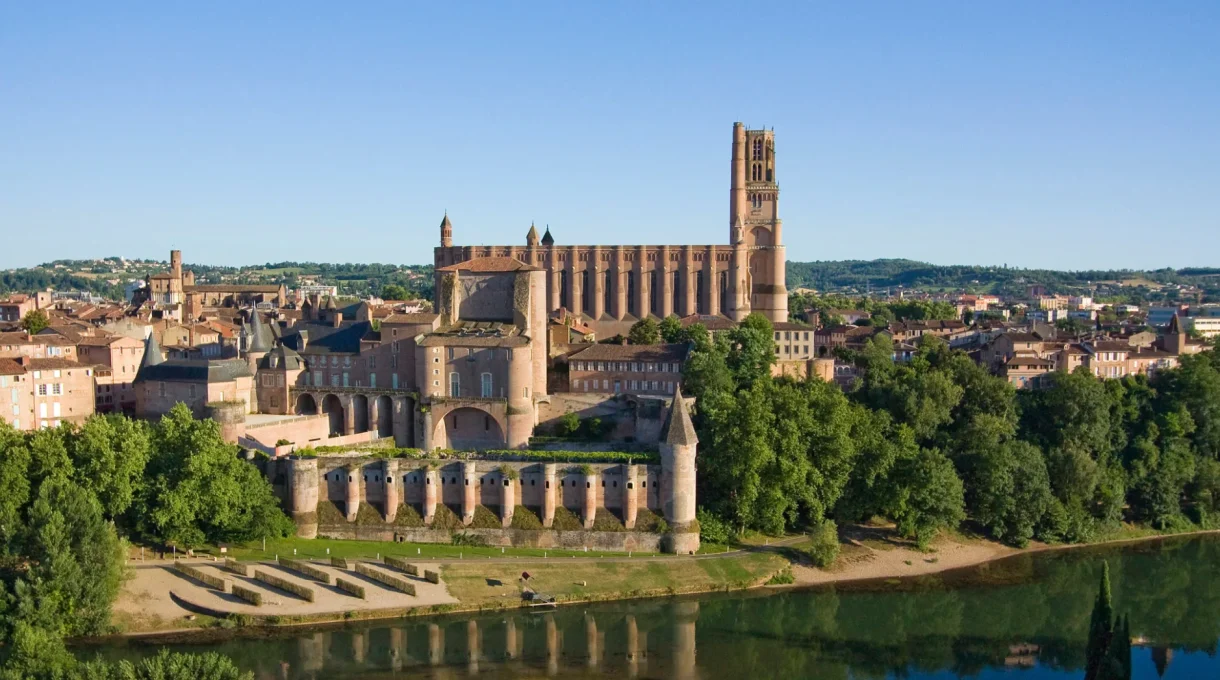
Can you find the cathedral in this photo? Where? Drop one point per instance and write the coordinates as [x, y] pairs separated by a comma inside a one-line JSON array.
[[612, 286]]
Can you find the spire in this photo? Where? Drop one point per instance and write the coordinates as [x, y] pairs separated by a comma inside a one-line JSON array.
[[260, 336], [446, 231], [152, 353], [678, 429], [445, 223], [739, 231], [547, 239], [330, 302], [531, 239], [1175, 326]]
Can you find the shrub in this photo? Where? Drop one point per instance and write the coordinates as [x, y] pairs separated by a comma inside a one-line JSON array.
[[508, 472], [408, 517], [241, 568], [568, 424], [783, 578], [302, 567], [401, 565], [350, 588], [386, 579], [445, 518], [484, 518], [339, 563], [605, 520], [648, 521], [566, 520], [712, 529], [304, 592], [282, 442], [329, 513], [215, 582], [367, 515], [824, 543], [252, 596], [525, 519], [432, 576], [464, 538]]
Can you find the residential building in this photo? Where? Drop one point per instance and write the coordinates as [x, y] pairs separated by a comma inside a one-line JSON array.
[[37, 393], [628, 369]]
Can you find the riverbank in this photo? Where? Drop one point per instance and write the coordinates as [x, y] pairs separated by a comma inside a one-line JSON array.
[[149, 605]]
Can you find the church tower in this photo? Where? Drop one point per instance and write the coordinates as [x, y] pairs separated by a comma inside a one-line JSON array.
[[446, 232], [754, 222]]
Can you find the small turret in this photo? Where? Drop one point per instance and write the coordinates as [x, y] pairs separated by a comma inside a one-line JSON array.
[[547, 239], [531, 238], [678, 442], [152, 354], [260, 341], [446, 231]]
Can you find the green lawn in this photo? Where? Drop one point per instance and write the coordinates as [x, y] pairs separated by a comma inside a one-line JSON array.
[[317, 548]]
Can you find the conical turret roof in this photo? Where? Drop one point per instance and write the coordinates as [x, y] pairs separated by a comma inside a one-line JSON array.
[[547, 239], [260, 336], [678, 429], [445, 222], [531, 238], [152, 353], [1175, 326]]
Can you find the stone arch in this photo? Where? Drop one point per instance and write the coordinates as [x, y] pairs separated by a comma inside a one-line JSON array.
[[360, 413], [306, 405], [332, 406], [385, 416], [760, 236], [469, 428]]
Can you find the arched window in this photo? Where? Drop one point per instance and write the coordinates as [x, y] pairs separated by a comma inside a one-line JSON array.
[[486, 391], [758, 148], [631, 294], [585, 290], [455, 386], [607, 292], [563, 290], [654, 299]]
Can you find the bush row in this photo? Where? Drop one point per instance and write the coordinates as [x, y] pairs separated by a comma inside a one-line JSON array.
[[223, 585], [304, 592], [339, 563], [401, 565], [432, 576], [302, 567], [252, 596], [351, 588], [240, 568], [386, 579]]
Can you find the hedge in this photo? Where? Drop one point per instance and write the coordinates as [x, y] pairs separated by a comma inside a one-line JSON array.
[[401, 565], [385, 579], [240, 568], [526, 455], [432, 576], [252, 596], [223, 585], [304, 592], [302, 567], [339, 563], [354, 589]]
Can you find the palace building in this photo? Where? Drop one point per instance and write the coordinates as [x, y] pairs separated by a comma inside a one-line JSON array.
[[612, 286]]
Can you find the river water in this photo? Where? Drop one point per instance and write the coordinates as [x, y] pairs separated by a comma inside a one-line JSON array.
[[1024, 617]]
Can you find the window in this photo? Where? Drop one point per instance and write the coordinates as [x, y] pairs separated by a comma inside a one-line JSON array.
[[486, 386], [317, 378], [372, 380], [334, 380], [345, 378], [190, 391], [42, 391], [577, 384], [372, 363], [450, 353], [455, 384], [161, 389]]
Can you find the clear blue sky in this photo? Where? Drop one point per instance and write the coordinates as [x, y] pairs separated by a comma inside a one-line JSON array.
[[1067, 135]]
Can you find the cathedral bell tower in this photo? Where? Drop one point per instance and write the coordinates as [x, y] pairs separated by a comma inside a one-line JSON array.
[[754, 223]]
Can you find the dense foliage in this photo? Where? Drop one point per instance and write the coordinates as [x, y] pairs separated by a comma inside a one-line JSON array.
[[935, 440], [66, 494]]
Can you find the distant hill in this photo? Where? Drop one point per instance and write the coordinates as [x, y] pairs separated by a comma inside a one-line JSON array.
[[861, 276]]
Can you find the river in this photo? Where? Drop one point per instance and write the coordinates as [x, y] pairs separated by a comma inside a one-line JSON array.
[[1025, 617]]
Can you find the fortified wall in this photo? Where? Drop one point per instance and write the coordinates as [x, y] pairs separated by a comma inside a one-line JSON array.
[[608, 505]]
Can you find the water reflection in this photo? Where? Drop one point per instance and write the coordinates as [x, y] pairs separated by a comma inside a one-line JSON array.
[[1031, 612]]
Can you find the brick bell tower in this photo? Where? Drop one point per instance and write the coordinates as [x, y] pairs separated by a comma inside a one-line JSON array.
[[754, 223]]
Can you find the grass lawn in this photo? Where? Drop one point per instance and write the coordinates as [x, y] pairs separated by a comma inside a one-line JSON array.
[[317, 548], [496, 583]]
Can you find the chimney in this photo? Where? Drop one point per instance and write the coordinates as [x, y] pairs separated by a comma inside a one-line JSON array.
[[336, 319], [304, 335]]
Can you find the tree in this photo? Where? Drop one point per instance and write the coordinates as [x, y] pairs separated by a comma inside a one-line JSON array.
[[927, 496], [167, 665], [646, 331], [393, 291], [35, 321], [198, 490], [1108, 650], [671, 329], [75, 561], [751, 349], [1010, 491], [108, 456], [14, 485]]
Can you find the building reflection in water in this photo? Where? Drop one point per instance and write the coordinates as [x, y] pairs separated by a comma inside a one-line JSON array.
[[552, 643]]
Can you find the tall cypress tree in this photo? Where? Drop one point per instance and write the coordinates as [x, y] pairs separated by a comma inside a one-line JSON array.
[[1108, 655]]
